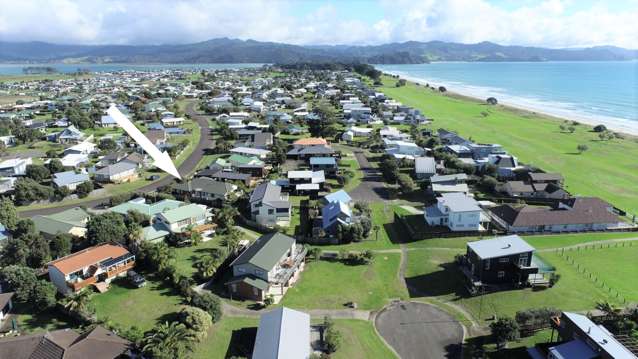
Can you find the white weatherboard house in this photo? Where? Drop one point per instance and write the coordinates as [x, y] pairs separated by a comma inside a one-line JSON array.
[[457, 211], [283, 334], [14, 167], [268, 206]]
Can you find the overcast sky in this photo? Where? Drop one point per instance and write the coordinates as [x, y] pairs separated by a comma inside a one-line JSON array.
[[551, 23]]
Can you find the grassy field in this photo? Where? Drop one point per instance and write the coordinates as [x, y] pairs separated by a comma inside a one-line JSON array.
[[615, 266], [608, 169], [382, 216], [325, 284], [539, 242], [142, 307], [360, 341], [432, 271]]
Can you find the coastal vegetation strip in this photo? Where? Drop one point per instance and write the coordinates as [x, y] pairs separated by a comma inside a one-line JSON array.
[[607, 169]]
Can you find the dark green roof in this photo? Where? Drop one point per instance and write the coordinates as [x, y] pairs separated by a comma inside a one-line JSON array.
[[266, 251], [252, 281]]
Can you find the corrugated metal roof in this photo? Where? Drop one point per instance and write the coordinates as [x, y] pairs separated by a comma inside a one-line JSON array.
[[283, 334]]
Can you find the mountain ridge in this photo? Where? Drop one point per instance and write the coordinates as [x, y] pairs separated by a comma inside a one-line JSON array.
[[228, 50]]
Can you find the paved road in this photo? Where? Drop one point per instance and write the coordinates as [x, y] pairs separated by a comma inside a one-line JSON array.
[[419, 330], [372, 187], [188, 166]]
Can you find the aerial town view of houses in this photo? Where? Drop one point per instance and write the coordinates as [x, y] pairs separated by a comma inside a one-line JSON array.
[[316, 216]]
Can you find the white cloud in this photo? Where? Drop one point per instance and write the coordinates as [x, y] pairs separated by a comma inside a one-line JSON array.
[[552, 23]]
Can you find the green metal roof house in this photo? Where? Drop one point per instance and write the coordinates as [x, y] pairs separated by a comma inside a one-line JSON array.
[[151, 210], [268, 267], [72, 221], [178, 219]]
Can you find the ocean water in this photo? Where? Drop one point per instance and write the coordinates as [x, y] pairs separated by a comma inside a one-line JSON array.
[[589, 92], [16, 69]]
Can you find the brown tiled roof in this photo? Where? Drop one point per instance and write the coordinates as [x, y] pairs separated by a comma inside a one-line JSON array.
[[584, 210], [99, 343], [87, 257], [310, 141]]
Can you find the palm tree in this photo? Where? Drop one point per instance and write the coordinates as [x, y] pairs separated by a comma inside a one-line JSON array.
[[79, 302], [168, 340], [231, 240], [206, 266], [609, 309]]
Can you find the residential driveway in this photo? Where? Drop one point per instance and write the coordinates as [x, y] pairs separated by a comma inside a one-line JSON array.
[[188, 166], [372, 188], [420, 331]]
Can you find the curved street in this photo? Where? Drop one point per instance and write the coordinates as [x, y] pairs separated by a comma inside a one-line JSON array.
[[187, 167]]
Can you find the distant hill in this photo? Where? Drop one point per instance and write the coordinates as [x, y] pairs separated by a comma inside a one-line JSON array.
[[226, 50]]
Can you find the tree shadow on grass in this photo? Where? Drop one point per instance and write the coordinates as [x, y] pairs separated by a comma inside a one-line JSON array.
[[242, 342], [447, 280]]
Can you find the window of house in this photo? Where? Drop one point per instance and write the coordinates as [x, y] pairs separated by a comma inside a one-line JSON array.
[[271, 211], [487, 264], [501, 274], [504, 260], [233, 287], [522, 260]]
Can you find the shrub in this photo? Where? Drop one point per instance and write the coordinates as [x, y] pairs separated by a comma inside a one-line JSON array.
[[197, 320], [208, 302]]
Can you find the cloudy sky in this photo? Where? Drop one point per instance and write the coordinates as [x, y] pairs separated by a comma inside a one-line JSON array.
[[550, 23]]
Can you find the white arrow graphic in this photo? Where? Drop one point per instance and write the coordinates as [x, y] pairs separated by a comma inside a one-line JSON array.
[[161, 159]]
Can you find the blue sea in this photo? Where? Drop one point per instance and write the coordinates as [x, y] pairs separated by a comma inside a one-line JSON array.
[[589, 92], [16, 69]]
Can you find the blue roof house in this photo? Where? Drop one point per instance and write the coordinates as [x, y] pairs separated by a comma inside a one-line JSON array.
[[333, 214], [69, 179], [339, 196], [327, 164]]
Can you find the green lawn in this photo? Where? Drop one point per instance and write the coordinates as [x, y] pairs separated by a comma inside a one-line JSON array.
[[29, 322], [616, 266], [360, 341], [185, 257], [326, 284], [386, 238], [433, 272], [608, 169], [142, 307], [216, 344], [539, 242]]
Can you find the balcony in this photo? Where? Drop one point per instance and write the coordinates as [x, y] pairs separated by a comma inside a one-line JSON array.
[[110, 273], [286, 269]]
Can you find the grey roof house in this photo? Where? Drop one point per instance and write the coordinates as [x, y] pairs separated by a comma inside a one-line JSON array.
[[69, 179], [204, 190], [268, 206], [283, 333]]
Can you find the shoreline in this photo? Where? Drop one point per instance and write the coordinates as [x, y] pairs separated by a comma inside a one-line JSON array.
[[626, 127]]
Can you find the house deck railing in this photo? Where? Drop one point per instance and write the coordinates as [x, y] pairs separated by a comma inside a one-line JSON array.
[[283, 274]]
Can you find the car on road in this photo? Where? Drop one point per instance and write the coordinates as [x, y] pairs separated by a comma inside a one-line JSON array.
[[153, 177]]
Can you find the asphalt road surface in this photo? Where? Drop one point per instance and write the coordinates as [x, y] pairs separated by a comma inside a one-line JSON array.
[[420, 331], [372, 187], [188, 166]]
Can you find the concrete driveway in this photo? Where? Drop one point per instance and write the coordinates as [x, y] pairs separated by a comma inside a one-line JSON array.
[[420, 331], [187, 167], [372, 188]]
